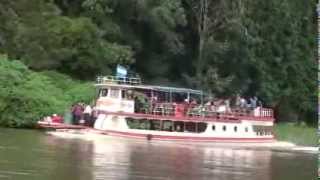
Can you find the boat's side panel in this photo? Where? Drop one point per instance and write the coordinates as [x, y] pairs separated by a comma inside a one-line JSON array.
[[106, 122], [215, 131]]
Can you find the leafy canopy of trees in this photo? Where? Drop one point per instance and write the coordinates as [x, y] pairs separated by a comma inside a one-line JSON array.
[[263, 48], [27, 96]]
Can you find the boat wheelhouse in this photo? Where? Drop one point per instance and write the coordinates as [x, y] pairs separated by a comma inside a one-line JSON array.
[[128, 108]]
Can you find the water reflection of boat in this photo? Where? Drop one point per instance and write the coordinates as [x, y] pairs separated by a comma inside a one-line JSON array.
[[130, 109], [117, 158]]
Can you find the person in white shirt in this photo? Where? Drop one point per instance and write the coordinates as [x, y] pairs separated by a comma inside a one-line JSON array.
[[87, 114], [243, 102]]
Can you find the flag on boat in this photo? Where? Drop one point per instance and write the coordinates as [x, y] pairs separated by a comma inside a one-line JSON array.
[[121, 71]]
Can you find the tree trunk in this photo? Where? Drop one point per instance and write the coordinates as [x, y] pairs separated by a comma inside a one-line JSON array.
[[202, 32]]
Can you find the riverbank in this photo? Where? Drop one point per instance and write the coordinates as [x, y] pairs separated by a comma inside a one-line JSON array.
[[298, 134]]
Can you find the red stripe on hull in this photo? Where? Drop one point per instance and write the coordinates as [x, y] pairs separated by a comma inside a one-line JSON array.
[[189, 138]]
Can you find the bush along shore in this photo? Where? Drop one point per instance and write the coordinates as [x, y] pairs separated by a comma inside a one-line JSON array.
[[299, 134], [27, 96]]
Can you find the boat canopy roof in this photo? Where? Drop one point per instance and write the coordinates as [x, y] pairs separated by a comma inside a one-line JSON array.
[[155, 88], [176, 90], [135, 83]]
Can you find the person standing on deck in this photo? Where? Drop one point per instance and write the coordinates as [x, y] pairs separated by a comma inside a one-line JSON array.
[[87, 115], [154, 101], [227, 104], [238, 101], [243, 102], [94, 116], [77, 112], [259, 103], [253, 102]]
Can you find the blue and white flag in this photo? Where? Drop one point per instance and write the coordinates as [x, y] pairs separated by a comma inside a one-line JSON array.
[[121, 71]]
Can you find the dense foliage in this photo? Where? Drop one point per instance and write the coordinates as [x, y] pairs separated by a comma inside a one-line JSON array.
[[263, 48], [26, 96]]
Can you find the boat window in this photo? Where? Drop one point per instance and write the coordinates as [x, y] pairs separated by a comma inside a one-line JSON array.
[[126, 94], [263, 130], [103, 92], [114, 93], [213, 127], [246, 129], [201, 127], [235, 129], [123, 94], [224, 128]]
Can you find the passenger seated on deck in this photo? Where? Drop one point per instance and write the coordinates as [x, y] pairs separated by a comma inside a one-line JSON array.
[[222, 108], [47, 119], [208, 103], [193, 103]]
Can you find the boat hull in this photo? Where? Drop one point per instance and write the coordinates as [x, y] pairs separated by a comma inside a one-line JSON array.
[[165, 136], [213, 131], [188, 138]]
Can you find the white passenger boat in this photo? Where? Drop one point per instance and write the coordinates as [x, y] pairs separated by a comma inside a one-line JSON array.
[[128, 108]]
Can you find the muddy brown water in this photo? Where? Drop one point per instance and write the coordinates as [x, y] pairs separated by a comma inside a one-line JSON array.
[[34, 155]]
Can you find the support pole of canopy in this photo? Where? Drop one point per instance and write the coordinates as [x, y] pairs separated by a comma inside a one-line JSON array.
[[152, 103], [170, 96], [196, 127], [161, 125], [184, 126], [201, 98], [188, 97], [173, 128]]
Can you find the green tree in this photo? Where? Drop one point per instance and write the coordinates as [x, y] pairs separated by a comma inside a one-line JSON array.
[[282, 54], [27, 96], [35, 32]]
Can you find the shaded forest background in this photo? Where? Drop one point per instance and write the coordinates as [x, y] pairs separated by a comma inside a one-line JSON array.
[[262, 48]]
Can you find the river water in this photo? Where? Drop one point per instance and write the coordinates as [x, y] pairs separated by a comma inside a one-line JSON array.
[[34, 155]]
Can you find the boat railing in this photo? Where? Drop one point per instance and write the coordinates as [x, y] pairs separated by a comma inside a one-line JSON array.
[[265, 112], [118, 80], [163, 109], [208, 111]]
